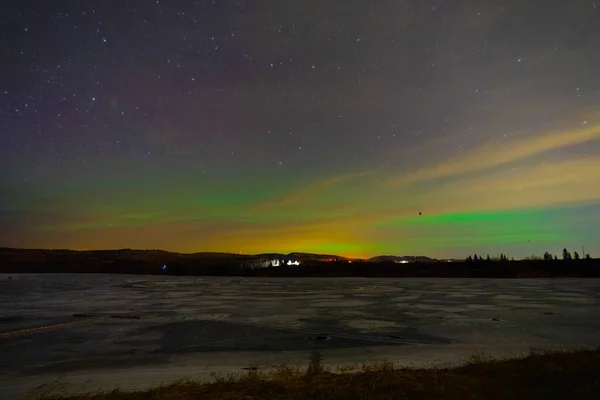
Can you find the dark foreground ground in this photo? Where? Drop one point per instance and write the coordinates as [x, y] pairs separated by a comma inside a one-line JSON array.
[[82, 330], [557, 375]]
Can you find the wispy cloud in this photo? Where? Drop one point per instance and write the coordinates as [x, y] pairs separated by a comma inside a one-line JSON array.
[[310, 191], [500, 152], [532, 186]]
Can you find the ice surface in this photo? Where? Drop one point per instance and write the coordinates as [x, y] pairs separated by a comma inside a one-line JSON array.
[[191, 327]]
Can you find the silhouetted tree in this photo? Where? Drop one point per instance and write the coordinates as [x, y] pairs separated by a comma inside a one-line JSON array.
[[576, 255], [475, 258], [547, 256], [469, 259], [555, 257], [566, 255], [488, 258], [587, 256]]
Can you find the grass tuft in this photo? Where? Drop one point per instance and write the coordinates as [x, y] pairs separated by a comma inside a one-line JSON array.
[[315, 363]]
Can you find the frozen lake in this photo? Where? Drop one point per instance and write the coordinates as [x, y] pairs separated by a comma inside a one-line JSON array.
[[194, 326]]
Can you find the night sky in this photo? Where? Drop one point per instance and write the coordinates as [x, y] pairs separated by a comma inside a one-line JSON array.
[[309, 125]]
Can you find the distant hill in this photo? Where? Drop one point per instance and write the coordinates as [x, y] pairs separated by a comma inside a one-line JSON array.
[[380, 259], [167, 255], [302, 256], [316, 257]]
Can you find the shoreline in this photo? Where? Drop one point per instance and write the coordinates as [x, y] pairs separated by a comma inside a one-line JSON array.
[[534, 375]]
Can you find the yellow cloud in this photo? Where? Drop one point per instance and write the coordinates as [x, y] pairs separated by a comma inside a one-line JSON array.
[[498, 153], [542, 185]]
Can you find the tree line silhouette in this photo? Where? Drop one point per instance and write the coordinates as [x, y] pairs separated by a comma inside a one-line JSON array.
[[566, 256]]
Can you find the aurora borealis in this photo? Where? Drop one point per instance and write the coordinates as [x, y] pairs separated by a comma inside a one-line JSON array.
[[314, 126]]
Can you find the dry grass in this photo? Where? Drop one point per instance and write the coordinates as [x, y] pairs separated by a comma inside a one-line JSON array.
[[539, 375]]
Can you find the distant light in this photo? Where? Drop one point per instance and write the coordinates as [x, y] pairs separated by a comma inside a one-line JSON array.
[[164, 268]]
